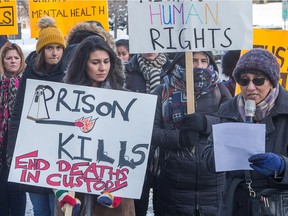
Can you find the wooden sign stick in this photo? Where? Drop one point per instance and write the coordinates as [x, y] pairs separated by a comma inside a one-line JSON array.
[[189, 82]]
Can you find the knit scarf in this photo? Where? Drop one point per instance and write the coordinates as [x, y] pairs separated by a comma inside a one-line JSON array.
[[205, 80], [8, 91], [263, 109], [174, 98], [151, 70]]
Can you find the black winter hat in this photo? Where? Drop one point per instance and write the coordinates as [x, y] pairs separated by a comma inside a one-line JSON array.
[[180, 60], [3, 40], [229, 61], [258, 61]]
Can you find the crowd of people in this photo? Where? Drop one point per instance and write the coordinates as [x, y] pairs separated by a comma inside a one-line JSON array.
[[181, 165]]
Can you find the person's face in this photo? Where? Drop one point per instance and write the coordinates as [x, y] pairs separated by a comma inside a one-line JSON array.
[[123, 53], [11, 62], [98, 66], [53, 54], [254, 92], [149, 56], [200, 60]]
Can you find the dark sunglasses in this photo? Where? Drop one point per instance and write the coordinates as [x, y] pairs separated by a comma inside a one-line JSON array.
[[258, 81]]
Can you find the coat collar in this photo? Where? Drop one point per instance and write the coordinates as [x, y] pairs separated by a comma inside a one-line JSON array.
[[229, 109]]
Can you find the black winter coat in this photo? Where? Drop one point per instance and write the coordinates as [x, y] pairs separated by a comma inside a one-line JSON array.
[[134, 77], [236, 200], [185, 186], [56, 74]]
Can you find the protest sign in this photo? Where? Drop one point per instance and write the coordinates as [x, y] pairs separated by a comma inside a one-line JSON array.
[[8, 17], [83, 139], [175, 26], [67, 13], [276, 42]]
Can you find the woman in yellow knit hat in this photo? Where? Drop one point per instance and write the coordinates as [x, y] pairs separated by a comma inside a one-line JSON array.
[[43, 64]]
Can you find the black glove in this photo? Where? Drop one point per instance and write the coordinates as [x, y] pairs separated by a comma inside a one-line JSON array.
[[195, 121], [188, 138]]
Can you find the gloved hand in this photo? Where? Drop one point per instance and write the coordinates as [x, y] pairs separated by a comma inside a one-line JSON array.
[[188, 138], [108, 200], [195, 121], [64, 198], [267, 163]]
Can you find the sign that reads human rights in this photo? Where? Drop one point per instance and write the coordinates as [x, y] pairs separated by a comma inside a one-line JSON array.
[[67, 13], [8, 17], [83, 139], [177, 26]]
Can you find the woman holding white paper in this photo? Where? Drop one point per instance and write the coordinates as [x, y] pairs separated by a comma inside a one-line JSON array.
[[263, 190]]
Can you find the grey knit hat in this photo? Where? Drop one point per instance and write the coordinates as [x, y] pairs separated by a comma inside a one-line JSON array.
[[258, 61]]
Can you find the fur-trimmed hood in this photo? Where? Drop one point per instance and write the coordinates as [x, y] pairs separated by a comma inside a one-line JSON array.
[[84, 29]]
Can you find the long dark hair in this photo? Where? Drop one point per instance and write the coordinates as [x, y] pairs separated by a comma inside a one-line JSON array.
[[77, 71]]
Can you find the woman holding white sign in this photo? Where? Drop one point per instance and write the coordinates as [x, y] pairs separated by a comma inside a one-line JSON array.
[[96, 64], [43, 64], [185, 187]]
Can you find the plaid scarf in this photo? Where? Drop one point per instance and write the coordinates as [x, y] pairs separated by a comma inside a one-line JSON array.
[[151, 70], [8, 92], [174, 100], [205, 80], [263, 109]]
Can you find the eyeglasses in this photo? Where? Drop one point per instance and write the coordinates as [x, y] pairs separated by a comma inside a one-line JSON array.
[[258, 81]]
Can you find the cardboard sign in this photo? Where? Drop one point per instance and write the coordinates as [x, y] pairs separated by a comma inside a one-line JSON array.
[[177, 26], [83, 139], [67, 13], [8, 17]]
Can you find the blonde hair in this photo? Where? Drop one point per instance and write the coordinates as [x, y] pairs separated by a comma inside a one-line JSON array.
[[3, 51]]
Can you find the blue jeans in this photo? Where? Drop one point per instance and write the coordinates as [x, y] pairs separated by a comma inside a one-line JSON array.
[[43, 204], [12, 199]]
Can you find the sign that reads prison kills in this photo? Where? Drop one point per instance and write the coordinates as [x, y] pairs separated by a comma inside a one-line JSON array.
[[8, 19], [84, 139], [174, 26], [67, 13]]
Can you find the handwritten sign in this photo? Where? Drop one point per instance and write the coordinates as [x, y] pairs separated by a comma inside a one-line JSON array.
[[67, 13], [83, 139], [8, 18], [177, 26]]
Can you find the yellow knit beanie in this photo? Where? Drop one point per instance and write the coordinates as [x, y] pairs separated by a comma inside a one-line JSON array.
[[49, 34]]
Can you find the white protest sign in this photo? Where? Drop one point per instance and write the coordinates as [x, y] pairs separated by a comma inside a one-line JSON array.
[[83, 139], [175, 26]]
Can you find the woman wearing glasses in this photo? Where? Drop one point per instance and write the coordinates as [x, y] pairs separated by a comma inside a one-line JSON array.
[[258, 73]]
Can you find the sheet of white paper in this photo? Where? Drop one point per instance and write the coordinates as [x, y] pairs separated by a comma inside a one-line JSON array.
[[234, 143]]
